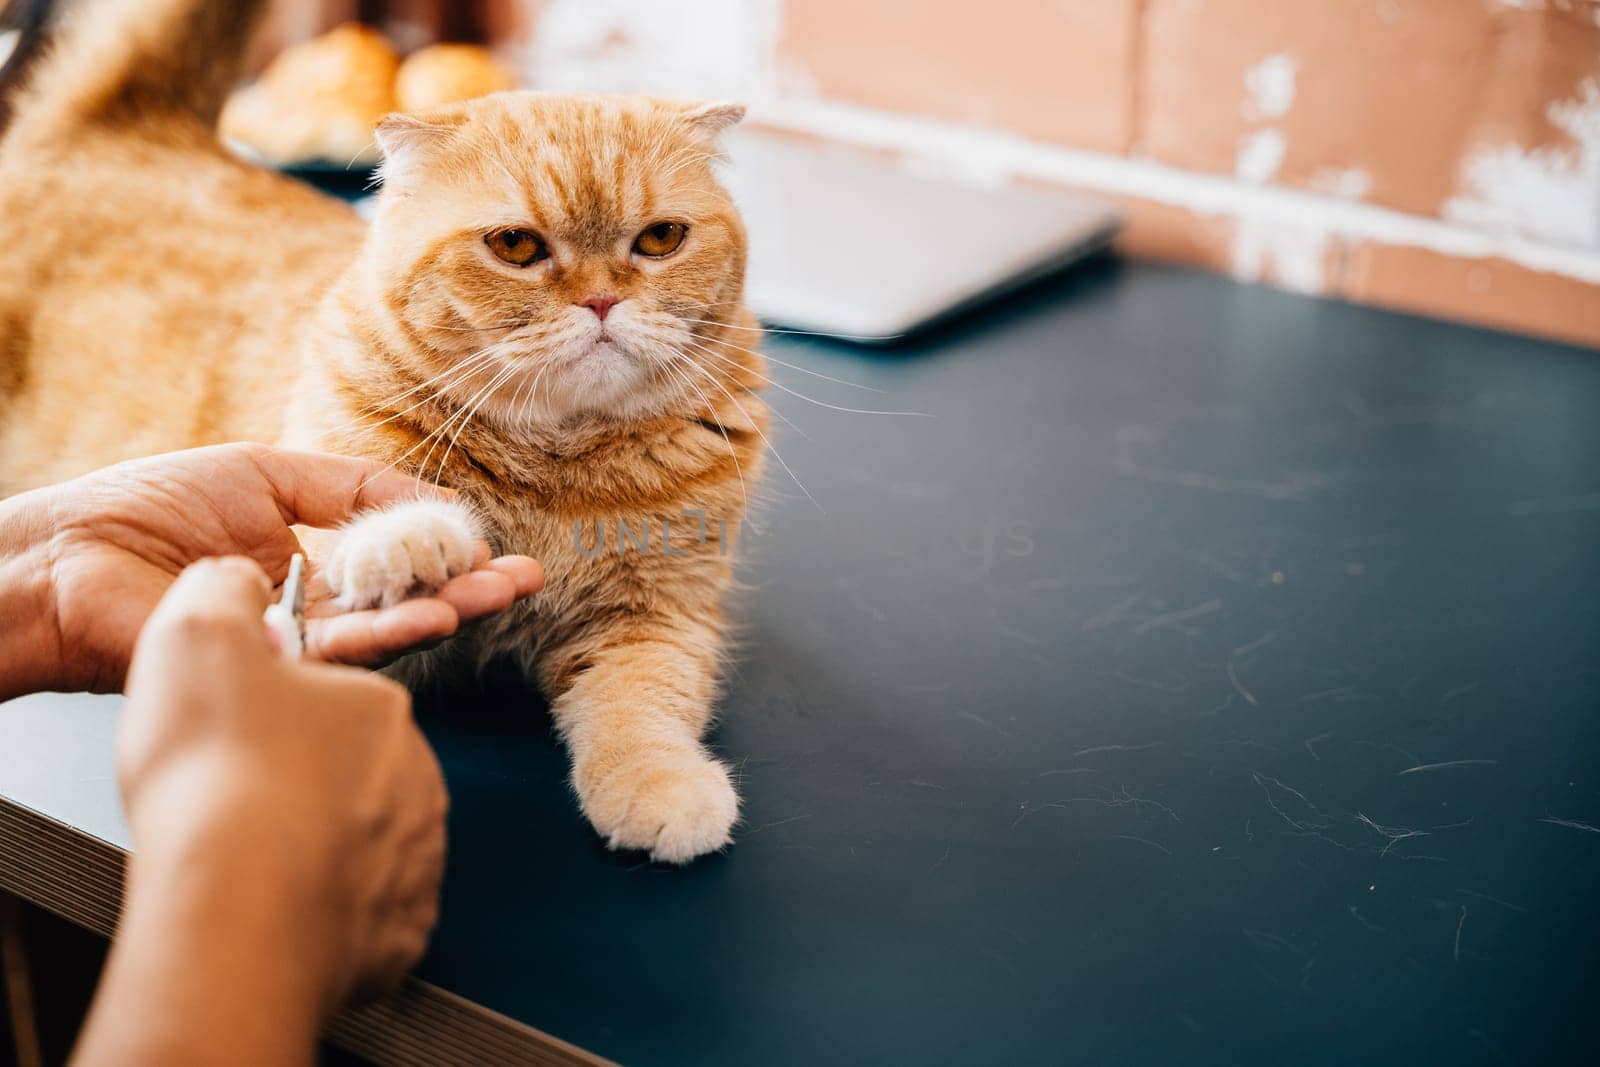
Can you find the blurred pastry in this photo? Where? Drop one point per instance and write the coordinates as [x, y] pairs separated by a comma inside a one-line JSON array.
[[319, 100], [445, 73]]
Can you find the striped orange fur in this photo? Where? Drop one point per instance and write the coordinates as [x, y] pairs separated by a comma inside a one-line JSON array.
[[157, 293]]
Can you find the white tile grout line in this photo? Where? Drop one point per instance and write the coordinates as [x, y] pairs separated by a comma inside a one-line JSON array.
[[999, 157]]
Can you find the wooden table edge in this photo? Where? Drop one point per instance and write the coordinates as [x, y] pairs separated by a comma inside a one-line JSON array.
[[79, 877]]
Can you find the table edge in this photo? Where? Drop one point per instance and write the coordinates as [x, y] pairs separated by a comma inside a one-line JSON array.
[[79, 876]]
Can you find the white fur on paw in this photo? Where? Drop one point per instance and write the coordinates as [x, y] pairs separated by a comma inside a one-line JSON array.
[[675, 805], [383, 557]]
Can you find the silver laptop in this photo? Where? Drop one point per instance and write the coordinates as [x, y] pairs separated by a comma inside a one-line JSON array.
[[859, 244]]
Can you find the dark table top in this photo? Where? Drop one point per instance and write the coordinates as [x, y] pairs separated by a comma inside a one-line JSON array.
[[1212, 678]]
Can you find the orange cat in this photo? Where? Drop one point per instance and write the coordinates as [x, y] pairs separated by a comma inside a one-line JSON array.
[[545, 313]]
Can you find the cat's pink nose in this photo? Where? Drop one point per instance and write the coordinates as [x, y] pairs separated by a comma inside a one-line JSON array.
[[601, 305]]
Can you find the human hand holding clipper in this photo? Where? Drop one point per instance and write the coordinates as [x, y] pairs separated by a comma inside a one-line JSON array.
[[288, 830]]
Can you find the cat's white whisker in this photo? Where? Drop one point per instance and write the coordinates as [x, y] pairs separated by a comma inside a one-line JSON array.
[[444, 458], [429, 436], [700, 346], [511, 405], [379, 405], [732, 452], [470, 329], [466, 413], [872, 338], [772, 359], [757, 427], [533, 391], [456, 372], [448, 376], [814, 400], [363, 150]]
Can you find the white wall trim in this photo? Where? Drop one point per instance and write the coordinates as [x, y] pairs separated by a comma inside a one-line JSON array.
[[993, 155]]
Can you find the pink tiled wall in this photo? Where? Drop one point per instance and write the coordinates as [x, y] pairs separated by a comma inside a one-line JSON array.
[[1481, 113]]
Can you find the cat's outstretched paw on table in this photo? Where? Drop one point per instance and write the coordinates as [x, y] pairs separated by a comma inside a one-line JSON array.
[[676, 805], [385, 556]]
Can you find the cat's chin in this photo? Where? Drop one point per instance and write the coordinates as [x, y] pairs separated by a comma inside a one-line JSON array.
[[607, 348], [607, 385]]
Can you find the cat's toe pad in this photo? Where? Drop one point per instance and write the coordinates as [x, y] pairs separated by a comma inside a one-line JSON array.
[[674, 806], [385, 556]]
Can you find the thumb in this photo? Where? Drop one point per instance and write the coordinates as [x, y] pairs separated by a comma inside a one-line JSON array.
[[214, 607], [227, 591], [326, 490]]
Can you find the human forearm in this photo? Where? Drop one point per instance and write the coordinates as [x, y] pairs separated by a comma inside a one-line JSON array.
[[30, 645], [217, 961]]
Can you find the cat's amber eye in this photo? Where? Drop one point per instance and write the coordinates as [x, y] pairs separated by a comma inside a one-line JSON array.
[[520, 248], [662, 239]]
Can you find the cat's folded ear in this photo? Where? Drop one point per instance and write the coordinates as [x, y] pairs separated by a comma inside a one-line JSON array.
[[714, 118], [406, 139]]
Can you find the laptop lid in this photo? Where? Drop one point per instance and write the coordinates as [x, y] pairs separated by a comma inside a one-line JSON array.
[[863, 244]]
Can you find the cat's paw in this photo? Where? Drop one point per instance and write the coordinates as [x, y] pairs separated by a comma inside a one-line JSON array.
[[676, 806], [385, 556]]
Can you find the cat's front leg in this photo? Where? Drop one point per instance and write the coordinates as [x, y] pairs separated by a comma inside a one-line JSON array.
[[633, 708]]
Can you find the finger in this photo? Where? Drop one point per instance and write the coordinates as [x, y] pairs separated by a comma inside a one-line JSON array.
[[368, 638], [525, 571], [479, 593], [231, 588], [350, 686], [213, 609], [326, 490]]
